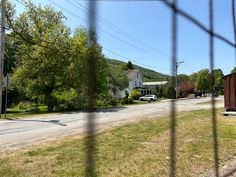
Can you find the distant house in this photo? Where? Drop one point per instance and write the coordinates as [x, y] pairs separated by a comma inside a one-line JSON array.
[[153, 85], [135, 82], [149, 87]]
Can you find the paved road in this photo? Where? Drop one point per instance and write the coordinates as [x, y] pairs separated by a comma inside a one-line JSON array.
[[19, 133]]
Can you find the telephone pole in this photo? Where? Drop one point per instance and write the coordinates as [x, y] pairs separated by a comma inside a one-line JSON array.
[[2, 44], [176, 74]]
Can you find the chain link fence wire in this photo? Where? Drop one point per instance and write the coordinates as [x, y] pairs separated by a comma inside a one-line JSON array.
[[212, 35], [91, 141], [212, 81], [172, 167]]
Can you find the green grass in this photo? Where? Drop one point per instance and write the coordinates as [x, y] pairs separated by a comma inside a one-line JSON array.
[[13, 113], [16, 113], [133, 150]]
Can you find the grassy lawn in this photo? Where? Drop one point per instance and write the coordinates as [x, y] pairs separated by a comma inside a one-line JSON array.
[[13, 113], [135, 150]]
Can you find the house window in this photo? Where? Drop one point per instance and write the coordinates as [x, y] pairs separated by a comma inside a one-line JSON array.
[[136, 84], [139, 84], [137, 75]]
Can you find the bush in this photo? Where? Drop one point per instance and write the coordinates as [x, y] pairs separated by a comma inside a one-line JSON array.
[[63, 107], [66, 100], [169, 92], [33, 109], [101, 103], [113, 102], [21, 105], [135, 94], [108, 102], [127, 101]]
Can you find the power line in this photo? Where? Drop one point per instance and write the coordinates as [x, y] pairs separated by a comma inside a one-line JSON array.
[[198, 23], [134, 61], [110, 34], [119, 30], [115, 53], [124, 0], [20, 2]]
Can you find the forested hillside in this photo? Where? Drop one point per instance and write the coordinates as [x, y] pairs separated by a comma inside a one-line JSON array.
[[148, 74]]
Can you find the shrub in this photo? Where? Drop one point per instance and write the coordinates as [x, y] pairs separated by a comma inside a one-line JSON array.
[[127, 101], [169, 92], [33, 109], [21, 105], [66, 100], [135, 94], [113, 102], [108, 102], [101, 103]]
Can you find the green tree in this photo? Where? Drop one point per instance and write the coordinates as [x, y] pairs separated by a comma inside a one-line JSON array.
[[118, 80], [11, 48], [135, 94], [129, 65], [233, 70], [219, 82], [193, 78], [203, 80], [160, 91], [82, 70], [43, 61], [182, 78]]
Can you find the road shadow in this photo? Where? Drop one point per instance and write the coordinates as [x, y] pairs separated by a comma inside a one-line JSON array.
[[115, 109], [57, 122], [97, 110]]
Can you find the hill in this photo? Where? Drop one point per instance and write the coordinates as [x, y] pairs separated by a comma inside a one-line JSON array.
[[148, 74]]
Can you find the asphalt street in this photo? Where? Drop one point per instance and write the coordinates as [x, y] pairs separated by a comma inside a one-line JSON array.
[[18, 133]]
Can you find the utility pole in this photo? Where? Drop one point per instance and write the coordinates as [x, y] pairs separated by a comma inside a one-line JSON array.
[[2, 44], [7, 83], [176, 74]]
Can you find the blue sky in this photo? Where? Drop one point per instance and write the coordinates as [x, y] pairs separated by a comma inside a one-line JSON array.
[[150, 22]]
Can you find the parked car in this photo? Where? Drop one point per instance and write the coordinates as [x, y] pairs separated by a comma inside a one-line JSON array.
[[215, 94], [148, 98], [197, 93]]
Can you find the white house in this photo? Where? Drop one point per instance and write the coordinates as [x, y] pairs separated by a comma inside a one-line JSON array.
[[135, 81]]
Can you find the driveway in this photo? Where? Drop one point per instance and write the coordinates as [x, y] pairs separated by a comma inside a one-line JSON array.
[[20, 133]]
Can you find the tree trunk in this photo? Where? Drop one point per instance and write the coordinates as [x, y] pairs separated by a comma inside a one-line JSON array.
[[49, 101]]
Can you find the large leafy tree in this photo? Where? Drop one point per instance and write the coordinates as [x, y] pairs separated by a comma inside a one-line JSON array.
[[43, 61], [11, 49], [81, 68], [51, 60], [193, 78], [219, 82], [182, 78], [186, 87], [202, 81], [118, 80]]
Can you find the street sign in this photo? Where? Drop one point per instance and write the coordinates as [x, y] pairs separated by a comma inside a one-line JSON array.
[[7, 81]]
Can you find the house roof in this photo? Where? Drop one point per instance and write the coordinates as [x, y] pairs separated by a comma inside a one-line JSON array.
[[229, 75], [155, 83], [132, 73]]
